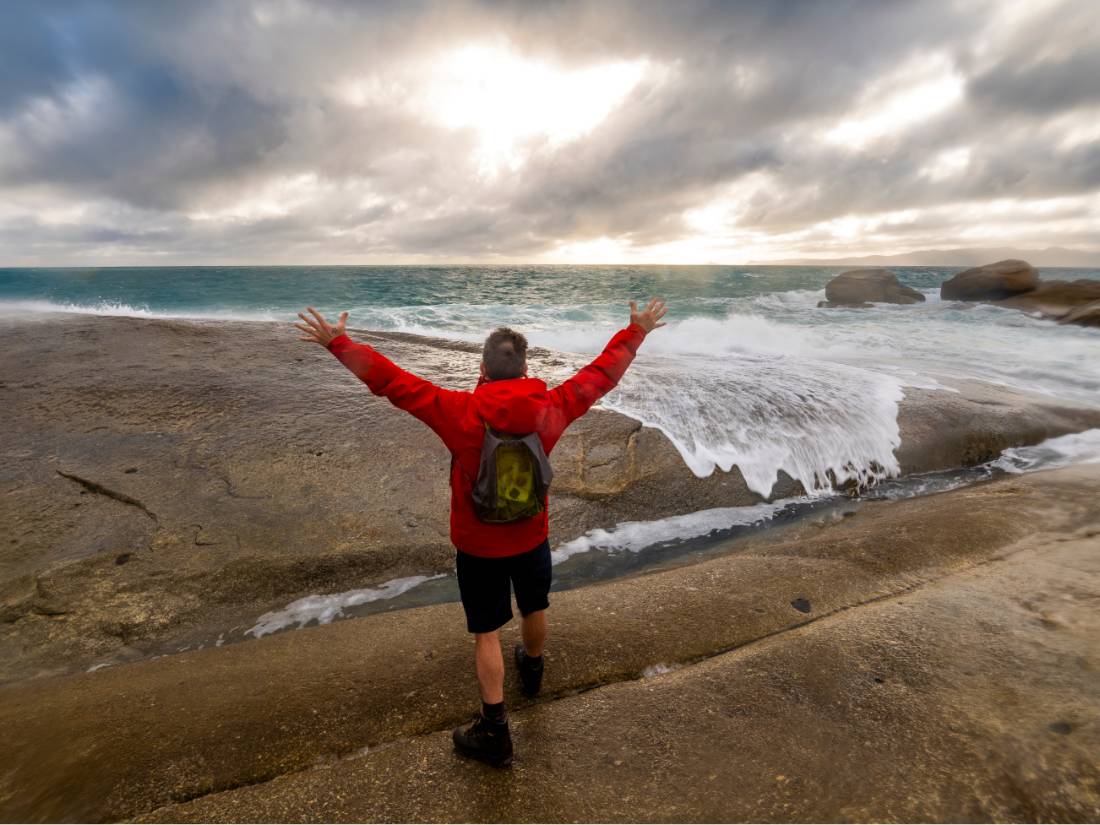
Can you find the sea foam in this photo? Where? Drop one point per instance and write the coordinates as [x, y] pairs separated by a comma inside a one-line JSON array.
[[634, 536], [16, 309], [749, 372], [323, 609], [1075, 448]]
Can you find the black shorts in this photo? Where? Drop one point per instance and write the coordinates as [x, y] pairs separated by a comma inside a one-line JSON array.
[[485, 585]]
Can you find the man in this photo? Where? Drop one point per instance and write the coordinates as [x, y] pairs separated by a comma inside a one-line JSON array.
[[494, 557]]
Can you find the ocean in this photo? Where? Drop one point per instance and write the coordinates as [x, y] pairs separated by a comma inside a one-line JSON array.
[[748, 372]]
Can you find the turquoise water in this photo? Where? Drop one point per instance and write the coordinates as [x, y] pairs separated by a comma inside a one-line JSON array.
[[278, 292], [749, 372]]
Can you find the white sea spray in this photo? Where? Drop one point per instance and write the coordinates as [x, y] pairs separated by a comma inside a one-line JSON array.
[[659, 669], [1075, 448], [633, 536], [749, 372], [323, 609]]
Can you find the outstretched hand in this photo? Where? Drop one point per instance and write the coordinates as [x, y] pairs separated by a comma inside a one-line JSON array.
[[648, 319], [320, 331]]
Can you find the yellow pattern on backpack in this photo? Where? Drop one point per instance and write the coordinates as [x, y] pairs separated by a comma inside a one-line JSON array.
[[515, 477]]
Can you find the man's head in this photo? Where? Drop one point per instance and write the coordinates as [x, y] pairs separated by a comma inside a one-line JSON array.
[[504, 355]]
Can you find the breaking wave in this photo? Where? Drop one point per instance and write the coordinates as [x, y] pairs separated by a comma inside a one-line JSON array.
[[748, 373]]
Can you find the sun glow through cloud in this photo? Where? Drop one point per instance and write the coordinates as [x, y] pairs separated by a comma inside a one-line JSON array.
[[573, 132], [509, 100], [917, 91]]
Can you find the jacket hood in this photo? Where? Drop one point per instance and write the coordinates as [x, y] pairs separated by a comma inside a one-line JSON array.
[[512, 406]]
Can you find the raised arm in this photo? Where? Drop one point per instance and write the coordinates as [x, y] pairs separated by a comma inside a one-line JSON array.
[[433, 405], [577, 395]]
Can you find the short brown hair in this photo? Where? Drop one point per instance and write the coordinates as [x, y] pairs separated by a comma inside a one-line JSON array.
[[505, 354]]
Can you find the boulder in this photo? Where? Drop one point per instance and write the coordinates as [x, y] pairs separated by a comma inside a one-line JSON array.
[[1086, 315], [991, 282], [1054, 299], [860, 286]]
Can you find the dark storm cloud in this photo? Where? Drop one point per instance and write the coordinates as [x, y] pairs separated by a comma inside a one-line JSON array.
[[33, 60], [226, 128], [1050, 86]]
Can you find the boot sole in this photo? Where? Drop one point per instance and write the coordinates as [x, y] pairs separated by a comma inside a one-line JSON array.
[[494, 762]]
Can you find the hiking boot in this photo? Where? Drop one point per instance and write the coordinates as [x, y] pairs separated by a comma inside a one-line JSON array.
[[530, 676], [489, 742]]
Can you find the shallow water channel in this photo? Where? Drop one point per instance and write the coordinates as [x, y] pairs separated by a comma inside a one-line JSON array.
[[635, 548]]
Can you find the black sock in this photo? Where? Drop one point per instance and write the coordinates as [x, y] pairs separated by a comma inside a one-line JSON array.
[[494, 713]]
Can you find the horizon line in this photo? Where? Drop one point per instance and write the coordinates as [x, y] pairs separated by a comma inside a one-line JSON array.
[[786, 263]]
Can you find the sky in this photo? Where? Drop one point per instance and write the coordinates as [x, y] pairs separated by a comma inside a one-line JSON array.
[[595, 131]]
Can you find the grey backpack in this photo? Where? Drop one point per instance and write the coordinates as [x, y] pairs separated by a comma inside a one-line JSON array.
[[512, 479]]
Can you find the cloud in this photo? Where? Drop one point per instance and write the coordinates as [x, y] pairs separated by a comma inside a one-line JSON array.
[[276, 130], [1050, 86]]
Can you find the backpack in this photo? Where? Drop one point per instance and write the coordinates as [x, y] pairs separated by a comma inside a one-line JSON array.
[[512, 479]]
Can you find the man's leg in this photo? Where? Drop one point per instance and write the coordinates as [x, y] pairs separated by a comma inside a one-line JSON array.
[[490, 666], [531, 576], [534, 633], [487, 737], [487, 600]]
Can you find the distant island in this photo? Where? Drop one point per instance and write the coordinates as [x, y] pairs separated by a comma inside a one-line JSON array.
[[1051, 256]]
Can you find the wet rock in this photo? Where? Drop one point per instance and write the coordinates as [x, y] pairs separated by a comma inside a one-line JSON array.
[[859, 287], [1055, 299], [973, 426], [831, 305], [1087, 315], [231, 448], [276, 706], [801, 605], [991, 282], [16, 598]]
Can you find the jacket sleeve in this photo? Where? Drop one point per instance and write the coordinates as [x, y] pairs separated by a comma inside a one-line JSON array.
[[579, 393], [435, 406]]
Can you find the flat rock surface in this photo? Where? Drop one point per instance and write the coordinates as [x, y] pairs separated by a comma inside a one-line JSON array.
[[168, 480], [972, 698], [122, 741]]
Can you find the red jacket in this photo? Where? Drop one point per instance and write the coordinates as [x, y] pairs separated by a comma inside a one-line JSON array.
[[518, 406]]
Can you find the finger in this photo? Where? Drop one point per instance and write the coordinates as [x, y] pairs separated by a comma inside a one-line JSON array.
[[311, 322], [343, 318], [321, 318], [660, 312], [662, 324], [304, 328], [633, 307]]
